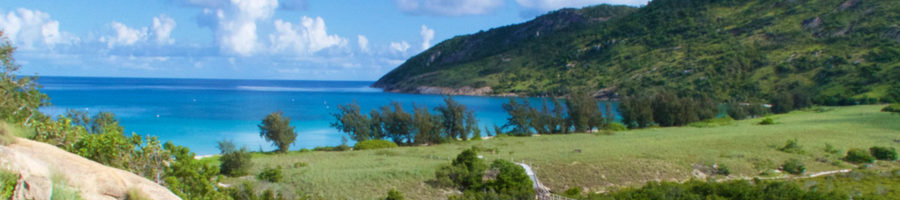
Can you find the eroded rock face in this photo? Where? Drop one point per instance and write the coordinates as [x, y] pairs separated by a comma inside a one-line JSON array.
[[466, 90], [36, 162], [32, 187]]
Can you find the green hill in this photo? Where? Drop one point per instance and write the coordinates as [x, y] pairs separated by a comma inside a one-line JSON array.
[[727, 49]]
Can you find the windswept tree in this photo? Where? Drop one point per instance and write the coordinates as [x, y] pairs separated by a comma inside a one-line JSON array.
[[426, 126], [454, 118], [521, 117], [278, 130], [397, 123], [349, 120], [584, 111]]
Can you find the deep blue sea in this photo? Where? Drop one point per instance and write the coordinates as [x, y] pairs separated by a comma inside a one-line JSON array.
[[198, 112]]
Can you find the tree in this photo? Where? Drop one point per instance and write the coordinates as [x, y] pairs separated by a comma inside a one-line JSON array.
[[19, 99], [278, 130], [583, 111], [397, 123], [520, 117], [454, 119], [103, 121], [427, 127], [349, 120]]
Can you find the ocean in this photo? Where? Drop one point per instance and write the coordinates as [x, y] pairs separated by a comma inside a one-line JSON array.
[[198, 112]]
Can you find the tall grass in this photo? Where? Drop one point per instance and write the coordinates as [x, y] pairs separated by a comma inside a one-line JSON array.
[[628, 158]]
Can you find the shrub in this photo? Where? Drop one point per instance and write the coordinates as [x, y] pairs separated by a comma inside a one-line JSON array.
[[884, 153], [300, 164], [792, 146], [793, 166], [893, 108], [859, 156], [394, 195], [831, 149], [270, 174], [767, 121], [723, 170], [374, 144], [614, 126], [574, 192], [7, 183], [236, 163], [134, 194]]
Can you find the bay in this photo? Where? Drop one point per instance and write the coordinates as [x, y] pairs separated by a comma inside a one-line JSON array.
[[198, 112]]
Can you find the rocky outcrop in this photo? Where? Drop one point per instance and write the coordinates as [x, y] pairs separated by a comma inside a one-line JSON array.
[[37, 162]]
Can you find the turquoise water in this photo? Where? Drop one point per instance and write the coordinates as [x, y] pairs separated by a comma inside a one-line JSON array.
[[198, 112]]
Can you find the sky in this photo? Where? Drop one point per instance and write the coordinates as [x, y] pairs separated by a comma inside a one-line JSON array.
[[247, 39]]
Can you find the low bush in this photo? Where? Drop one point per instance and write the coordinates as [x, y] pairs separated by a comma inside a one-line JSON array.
[[767, 121], [574, 192], [793, 166], [613, 126], [236, 163], [334, 148], [712, 122], [859, 156], [884, 153], [893, 108], [394, 195], [723, 170], [270, 174], [792, 146], [135, 194], [7, 183], [374, 144], [300, 164]]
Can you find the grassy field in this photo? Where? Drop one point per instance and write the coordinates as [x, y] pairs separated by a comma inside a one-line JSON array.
[[627, 158]]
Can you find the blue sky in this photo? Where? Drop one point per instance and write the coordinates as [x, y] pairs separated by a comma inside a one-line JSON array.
[[247, 39]]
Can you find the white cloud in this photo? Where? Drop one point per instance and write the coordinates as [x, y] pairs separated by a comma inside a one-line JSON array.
[[236, 27], [29, 29], [537, 7], [427, 35], [363, 43], [162, 29], [400, 46], [309, 37], [125, 36], [448, 7]]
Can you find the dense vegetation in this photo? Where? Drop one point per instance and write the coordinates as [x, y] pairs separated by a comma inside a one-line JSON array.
[[833, 52], [453, 121], [467, 173]]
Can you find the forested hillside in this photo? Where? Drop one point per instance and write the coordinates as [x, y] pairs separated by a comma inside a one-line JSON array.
[[748, 50]]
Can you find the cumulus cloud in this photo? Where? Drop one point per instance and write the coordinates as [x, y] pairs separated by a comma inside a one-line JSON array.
[[400, 46], [308, 37], [235, 23], [537, 7], [30, 29], [162, 29], [124, 36], [448, 7], [427, 35], [363, 43]]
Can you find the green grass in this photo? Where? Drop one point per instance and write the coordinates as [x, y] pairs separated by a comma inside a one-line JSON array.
[[628, 158]]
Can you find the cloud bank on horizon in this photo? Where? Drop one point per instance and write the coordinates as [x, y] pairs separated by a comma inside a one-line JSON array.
[[253, 39]]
